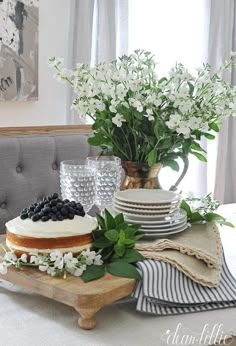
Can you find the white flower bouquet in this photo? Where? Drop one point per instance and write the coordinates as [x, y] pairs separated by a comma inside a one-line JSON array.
[[139, 116]]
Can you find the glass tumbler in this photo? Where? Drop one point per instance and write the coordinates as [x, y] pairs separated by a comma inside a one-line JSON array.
[[108, 178], [77, 182]]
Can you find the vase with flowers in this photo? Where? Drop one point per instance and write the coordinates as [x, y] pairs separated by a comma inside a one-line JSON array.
[[146, 120]]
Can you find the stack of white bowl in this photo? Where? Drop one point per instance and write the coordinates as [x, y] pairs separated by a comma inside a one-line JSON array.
[[157, 211]]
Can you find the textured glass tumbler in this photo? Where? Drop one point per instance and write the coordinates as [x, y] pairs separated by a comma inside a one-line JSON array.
[[108, 178], [77, 182]]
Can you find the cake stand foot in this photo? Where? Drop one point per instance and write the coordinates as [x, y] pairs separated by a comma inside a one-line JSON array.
[[87, 318]]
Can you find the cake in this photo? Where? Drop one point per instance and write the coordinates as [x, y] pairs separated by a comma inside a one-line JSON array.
[[50, 224]]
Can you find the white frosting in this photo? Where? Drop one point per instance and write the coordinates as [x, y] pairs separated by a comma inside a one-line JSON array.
[[52, 229], [74, 249]]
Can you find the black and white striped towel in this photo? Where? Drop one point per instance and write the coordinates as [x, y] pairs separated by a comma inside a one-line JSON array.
[[164, 290]]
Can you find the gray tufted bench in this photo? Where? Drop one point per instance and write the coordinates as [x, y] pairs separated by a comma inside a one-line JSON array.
[[29, 168]]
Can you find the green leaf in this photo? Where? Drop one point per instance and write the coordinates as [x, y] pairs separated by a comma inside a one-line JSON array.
[[184, 205], [97, 140], [109, 220], [93, 272], [119, 219], [196, 216], [122, 236], [196, 146], [225, 223], [214, 127], [123, 269], [165, 143], [171, 163], [132, 256], [152, 157], [209, 136], [128, 242], [97, 234], [213, 217], [112, 235], [100, 220], [101, 243], [119, 249], [199, 156]]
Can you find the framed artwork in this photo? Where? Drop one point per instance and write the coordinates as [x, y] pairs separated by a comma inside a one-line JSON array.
[[19, 50]]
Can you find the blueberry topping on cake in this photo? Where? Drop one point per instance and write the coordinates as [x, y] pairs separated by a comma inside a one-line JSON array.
[[52, 208]]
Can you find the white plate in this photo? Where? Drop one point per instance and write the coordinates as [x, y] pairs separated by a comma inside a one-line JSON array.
[[161, 235], [143, 211], [163, 229], [161, 225], [146, 196], [177, 216], [146, 206], [142, 216]]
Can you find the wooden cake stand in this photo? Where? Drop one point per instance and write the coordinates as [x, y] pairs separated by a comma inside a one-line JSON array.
[[86, 298]]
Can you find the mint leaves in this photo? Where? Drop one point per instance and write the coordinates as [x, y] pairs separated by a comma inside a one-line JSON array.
[[115, 242]]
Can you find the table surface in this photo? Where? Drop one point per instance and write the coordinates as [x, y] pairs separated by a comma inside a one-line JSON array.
[[27, 319]]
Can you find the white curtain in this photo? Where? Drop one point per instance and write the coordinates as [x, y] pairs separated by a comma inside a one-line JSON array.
[[98, 32], [222, 41]]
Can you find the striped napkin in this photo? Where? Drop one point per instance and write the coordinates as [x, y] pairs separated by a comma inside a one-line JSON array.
[[197, 252], [164, 290]]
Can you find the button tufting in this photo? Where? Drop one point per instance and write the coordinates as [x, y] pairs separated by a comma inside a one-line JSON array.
[[3, 205], [18, 169], [54, 166]]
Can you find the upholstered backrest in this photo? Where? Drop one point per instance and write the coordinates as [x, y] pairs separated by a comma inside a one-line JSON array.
[[29, 168]]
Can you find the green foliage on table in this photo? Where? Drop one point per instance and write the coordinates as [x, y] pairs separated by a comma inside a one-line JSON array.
[[204, 212], [115, 241]]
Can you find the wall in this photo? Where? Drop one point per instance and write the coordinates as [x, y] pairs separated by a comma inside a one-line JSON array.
[[51, 106]]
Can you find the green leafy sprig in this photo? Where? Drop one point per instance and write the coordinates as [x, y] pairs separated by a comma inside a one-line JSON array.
[[204, 212], [115, 241]]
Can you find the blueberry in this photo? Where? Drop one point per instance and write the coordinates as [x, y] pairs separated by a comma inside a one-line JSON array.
[[54, 210], [37, 209], [66, 200], [53, 203], [59, 205], [82, 213], [46, 210], [24, 216], [45, 218], [71, 210], [35, 217], [64, 211], [31, 213], [32, 207], [60, 218], [71, 216], [40, 214], [54, 218]]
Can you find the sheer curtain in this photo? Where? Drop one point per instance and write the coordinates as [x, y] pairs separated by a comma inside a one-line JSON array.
[[98, 32], [175, 31], [222, 41]]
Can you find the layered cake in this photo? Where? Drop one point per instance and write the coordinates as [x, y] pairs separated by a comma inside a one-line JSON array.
[[48, 225]]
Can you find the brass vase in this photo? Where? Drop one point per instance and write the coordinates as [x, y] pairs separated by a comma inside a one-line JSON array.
[[138, 175]]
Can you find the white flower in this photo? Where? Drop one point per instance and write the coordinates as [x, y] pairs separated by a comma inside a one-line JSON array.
[[55, 255], [51, 271], [34, 259], [149, 114], [23, 258], [43, 268], [194, 123], [10, 256], [70, 261], [78, 272], [118, 119], [121, 91], [173, 121], [183, 129], [97, 260], [89, 256], [3, 267]]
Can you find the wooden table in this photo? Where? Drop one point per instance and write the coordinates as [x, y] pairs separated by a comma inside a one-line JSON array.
[[86, 298]]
